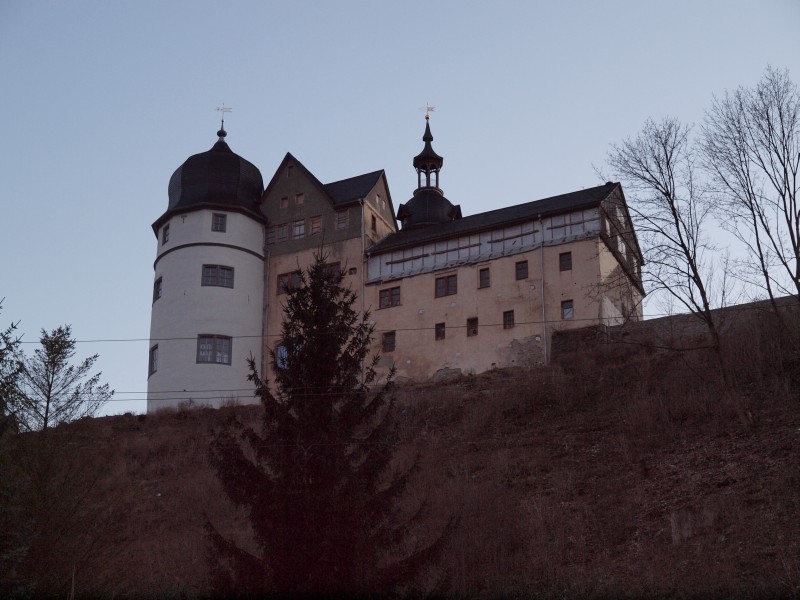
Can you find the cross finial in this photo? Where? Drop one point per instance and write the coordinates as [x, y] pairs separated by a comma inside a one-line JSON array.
[[223, 109]]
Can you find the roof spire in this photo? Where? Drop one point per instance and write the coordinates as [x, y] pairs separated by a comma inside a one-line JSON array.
[[428, 163], [222, 133]]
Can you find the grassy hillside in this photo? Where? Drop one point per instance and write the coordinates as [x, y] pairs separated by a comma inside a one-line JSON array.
[[624, 468]]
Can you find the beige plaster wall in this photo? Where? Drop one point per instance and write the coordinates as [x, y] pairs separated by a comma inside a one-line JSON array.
[[418, 355]]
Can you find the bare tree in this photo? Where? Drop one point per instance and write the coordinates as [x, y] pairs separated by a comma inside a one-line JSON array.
[[670, 212], [50, 390], [751, 148]]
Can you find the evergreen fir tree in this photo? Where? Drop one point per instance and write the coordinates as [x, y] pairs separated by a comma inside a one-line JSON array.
[[316, 480]]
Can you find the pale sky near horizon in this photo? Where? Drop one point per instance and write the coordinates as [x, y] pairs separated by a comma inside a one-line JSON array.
[[103, 100]]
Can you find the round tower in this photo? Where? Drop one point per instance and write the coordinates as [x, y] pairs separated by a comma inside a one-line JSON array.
[[208, 287]]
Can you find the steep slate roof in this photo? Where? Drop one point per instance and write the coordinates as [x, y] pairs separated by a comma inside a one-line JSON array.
[[352, 189], [496, 218], [341, 193]]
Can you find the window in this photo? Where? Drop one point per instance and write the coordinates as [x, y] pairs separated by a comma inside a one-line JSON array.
[[289, 281], [299, 198], [290, 171], [567, 311], [388, 343], [165, 234], [508, 319], [219, 222], [281, 356], [217, 275], [214, 349], [271, 235], [565, 261], [472, 327], [446, 286], [484, 279], [374, 223], [153, 362], [334, 270], [439, 331], [342, 219], [284, 202], [157, 288], [522, 269], [389, 297], [315, 224], [283, 231], [352, 270], [298, 229]]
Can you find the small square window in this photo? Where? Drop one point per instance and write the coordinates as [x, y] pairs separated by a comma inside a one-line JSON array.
[[219, 222], [567, 310], [352, 270], [521, 269], [153, 362], [446, 286], [342, 218], [565, 261], [440, 331], [315, 224], [289, 281], [389, 297], [165, 234], [389, 339], [299, 198], [334, 271], [283, 232], [472, 327], [214, 349], [484, 278], [284, 202], [217, 275], [157, 288], [508, 319], [298, 229]]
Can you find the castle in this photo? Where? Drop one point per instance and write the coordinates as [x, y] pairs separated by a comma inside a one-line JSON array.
[[447, 293]]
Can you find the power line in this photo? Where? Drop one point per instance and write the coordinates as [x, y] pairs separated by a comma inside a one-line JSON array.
[[652, 317]]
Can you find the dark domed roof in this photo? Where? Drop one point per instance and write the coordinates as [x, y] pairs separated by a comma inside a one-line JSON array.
[[427, 207], [218, 178]]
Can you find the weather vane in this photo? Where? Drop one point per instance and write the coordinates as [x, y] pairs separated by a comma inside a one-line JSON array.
[[428, 110], [223, 109]]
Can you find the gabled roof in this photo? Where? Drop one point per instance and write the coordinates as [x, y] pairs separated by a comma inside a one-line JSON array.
[[352, 189], [340, 193], [286, 159], [496, 218]]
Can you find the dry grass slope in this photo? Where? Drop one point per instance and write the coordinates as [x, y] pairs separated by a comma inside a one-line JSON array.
[[624, 469]]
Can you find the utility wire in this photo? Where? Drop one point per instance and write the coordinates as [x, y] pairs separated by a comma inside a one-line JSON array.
[[432, 328]]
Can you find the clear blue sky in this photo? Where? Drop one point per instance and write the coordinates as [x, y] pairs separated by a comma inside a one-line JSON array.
[[101, 101]]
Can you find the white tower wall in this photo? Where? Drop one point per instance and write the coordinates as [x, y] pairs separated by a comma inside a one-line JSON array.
[[187, 309]]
